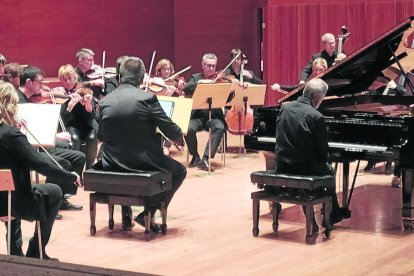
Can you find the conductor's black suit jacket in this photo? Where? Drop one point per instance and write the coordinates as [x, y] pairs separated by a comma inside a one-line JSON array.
[[128, 121]]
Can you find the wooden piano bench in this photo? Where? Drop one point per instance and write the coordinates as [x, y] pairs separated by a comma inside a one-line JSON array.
[[145, 188], [303, 191]]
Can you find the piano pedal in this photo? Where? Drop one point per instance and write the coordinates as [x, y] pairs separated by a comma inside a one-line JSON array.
[[396, 182]]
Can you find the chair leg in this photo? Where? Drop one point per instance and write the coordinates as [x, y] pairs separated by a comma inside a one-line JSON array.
[[164, 217], [8, 222], [39, 239]]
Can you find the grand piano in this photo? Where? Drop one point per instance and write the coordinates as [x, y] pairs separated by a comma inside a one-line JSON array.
[[361, 125]]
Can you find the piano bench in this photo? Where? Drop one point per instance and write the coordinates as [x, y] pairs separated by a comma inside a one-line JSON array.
[[130, 189], [304, 193]]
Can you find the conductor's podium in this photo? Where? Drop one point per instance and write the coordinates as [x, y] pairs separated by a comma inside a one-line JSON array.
[[145, 188], [293, 189]]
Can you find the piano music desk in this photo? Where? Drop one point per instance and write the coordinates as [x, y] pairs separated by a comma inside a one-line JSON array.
[[129, 189], [310, 183]]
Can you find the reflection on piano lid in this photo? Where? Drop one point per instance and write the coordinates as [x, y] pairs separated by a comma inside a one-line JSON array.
[[358, 71]]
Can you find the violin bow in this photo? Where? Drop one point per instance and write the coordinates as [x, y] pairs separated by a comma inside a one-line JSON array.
[[149, 71], [178, 73], [228, 65], [103, 69], [52, 97]]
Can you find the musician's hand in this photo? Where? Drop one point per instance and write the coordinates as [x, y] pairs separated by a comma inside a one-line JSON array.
[[391, 84], [179, 142], [275, 87], [170, 90], [64, 137], [181, 84], [340, 57], [247, 74], [301, 82], [97, 82], [78, 181]]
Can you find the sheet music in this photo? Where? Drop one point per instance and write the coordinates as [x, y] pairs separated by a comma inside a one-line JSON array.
[[42, 121]]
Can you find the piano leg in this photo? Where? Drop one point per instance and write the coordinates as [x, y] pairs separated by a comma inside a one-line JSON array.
[[407, 209], [345, 183]]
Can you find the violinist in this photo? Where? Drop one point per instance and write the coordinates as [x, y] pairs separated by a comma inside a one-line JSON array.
[[12, 73], [234, 70], [113, 82], [31, 81], [164, 69], [3, 61], [16, 153], [78, 114], [86, 69], [199, 118]]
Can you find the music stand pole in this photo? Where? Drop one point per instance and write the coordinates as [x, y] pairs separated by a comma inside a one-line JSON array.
[[210, 102]]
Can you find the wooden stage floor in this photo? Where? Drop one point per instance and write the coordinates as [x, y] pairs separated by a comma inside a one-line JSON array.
[[210, 231]]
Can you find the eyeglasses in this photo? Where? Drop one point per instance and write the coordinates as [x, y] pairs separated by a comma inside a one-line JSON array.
[[330, 42]]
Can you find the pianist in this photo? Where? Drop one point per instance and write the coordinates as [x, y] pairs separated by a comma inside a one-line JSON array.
[[302, 141]]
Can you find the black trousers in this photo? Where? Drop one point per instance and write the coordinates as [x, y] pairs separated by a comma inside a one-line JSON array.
[[310, 168], [53, 196], [89, 137], [70, 160], [218, 129], [179, 173]]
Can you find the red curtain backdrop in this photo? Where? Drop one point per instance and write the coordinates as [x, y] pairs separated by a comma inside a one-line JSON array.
[[293, 30], [48, 33]]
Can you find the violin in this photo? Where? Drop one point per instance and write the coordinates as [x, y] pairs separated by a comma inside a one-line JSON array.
[[98, 73], [46, 95]]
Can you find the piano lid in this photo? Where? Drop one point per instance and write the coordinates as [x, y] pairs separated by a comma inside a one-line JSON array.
[[358, 71]]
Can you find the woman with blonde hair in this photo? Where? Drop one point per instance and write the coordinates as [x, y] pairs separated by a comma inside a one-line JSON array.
[[17, 154]]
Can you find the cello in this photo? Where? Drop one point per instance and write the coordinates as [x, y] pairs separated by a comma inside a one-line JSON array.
[[240, 118]]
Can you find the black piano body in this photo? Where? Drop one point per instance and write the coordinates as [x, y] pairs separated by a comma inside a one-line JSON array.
[[360, 126]]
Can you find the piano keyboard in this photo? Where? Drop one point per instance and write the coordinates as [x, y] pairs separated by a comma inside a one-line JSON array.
[[266, 139], [337, 145], [357, 147]]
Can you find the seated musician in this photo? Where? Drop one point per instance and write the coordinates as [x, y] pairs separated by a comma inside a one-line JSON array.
[[78, 114], [235, 68], [31, 81], [86, 72], [17, 154], [319, 65], [302, 141], [199, 118], [164, 69], [12, 73], [329, 53], [113, 82], [3, 61], [128, 121]]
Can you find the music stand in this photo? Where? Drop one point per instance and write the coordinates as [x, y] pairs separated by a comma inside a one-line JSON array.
[[209, 96], [253, 95]]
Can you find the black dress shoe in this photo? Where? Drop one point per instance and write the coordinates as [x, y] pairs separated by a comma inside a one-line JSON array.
[[154, 227], [194, 161], [66, 205], [340, 214], [203, 165], [58, 217], [33, 252], [127, 223]]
